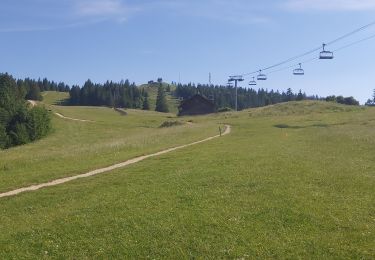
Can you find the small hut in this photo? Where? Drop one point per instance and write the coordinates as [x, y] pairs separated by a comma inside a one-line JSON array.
[[196, 105]]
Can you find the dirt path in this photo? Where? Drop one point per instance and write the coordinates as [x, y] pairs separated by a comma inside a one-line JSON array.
[[107, 169], [74, 119], [32, 103]]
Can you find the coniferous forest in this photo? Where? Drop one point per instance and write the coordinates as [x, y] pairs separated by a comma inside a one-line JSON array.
[[20, 123], [224, 96], [122, 94]]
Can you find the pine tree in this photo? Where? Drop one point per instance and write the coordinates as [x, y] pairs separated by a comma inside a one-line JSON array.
[[300, 96], [289, 94], [34, 93], [161, 101], [146, 105]]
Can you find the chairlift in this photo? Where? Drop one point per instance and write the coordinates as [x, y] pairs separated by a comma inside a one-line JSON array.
[[253, 82], [261, 76], [326, 55], [299, 71]]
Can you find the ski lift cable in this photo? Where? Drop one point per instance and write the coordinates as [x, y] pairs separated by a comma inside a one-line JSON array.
[[294, 65], [317, 58], [351, 33], [313, 50], [286, 61], [355, 43]]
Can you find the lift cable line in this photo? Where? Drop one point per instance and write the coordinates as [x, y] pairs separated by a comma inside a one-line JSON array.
[[317, 58], [355, 43], [351, 33], [314, 50]]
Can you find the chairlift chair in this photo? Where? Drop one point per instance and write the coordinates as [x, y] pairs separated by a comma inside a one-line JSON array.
[[299, 71], [261, 76], [325, 55], [253, 82]]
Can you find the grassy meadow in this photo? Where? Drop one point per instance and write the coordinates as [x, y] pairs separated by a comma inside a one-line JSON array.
[[293, 180], [78, 147]]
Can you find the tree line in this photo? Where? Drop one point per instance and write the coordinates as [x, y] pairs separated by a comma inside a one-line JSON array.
[[371, 102], [343, 100], [224, 96], [32, 88], [19, 123], [122, 94]]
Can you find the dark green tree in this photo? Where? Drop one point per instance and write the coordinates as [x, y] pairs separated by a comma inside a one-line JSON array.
[[331, 99], [18, 123], [289, 94], [161, 101], [34, 92], [146, 104], [38, 123], [340, 100], [8, 93], [300, 96]]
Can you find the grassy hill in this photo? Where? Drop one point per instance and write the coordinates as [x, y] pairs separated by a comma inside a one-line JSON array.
[[54, 97], [294, 180], [152, 91]]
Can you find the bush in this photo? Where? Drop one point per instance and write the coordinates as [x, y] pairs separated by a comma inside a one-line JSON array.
[[19, 134], [170, 124], [224, 109], [343, 100], [39, 123]]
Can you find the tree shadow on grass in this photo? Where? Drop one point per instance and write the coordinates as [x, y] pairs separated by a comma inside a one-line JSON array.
[[285, 126]]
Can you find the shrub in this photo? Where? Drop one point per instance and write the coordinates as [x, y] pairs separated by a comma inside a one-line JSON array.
[[170, 124], [39, 123], [224, 109]]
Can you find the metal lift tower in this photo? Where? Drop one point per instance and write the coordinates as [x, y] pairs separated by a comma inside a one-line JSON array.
[[236, 79]]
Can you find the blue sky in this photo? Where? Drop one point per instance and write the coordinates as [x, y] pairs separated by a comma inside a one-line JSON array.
[[73, 40]]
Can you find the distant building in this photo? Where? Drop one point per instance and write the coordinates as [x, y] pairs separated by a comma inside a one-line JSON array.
[[196, 105]]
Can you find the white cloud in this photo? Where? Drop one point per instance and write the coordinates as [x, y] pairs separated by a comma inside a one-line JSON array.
[[235, 11], [51, 27], [99, 7], [111, 9], [330, 5]]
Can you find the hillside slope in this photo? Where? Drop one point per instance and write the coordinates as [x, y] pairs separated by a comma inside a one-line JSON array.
[[152, 91], [302, 191]]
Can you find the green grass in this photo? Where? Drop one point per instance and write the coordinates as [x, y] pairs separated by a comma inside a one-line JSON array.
[[304, 191], [152, 91], [54, 97], [78, 147]]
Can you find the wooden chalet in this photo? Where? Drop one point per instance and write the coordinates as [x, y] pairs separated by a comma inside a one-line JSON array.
[[196, 105]]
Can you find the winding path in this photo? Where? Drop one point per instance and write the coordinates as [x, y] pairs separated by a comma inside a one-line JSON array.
[[107, 169], [74, 119], [33, 104]]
